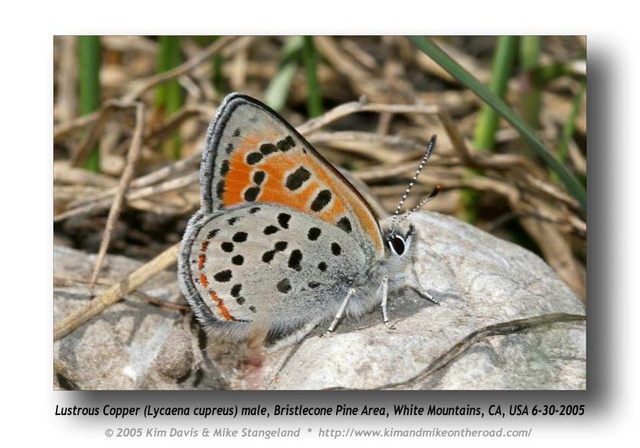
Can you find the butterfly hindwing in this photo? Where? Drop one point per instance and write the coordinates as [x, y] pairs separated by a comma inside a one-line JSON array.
[[266, 263], [252, 155]]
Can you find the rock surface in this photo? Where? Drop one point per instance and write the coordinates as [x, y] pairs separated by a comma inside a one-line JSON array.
[[479, 280], [133, 344]]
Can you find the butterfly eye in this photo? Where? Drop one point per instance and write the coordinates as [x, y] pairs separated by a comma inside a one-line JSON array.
[[397, 244]]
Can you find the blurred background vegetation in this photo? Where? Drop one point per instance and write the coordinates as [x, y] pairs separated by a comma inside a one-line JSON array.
[[130, 114]]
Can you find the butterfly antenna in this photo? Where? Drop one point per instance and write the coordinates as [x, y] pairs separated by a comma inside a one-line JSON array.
[[423, 162], [433, 194]]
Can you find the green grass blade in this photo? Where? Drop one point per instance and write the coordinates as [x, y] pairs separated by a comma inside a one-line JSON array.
[[527, 133], [90, 60], [314, 98], [168, 96], [217, 74], [530, 49], [487, 124], [278, 89]]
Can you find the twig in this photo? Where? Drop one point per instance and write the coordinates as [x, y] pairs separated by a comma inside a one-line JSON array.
[[371, 152], [81, 152], [501, 329], [175, 120], [551, 191], [153, 81], [129, 99], [171, 185], [555, 248], [63, 173], [67, 96], [389, 172], [328, 47], [363, 106], [68, 281], [115, 293], [132, 159], [189, 162], [62, 131]]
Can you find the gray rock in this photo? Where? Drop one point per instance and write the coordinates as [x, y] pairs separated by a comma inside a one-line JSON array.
[[479, 280], [132, 344]]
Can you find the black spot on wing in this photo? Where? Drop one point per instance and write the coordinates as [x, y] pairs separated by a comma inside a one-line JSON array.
[[268, 256], [223, 276], [236, 289], [251, 194], [296, 179], [314, 233], [345, 224], [267, 148], [295, 260], [220, 189], [259, 177], [286, 143], [253, 158], [284, 285], [224, 167], [283, 220], [321, 200], [240, 237]]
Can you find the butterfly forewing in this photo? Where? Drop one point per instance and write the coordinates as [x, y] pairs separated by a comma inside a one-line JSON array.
[[253, 156]]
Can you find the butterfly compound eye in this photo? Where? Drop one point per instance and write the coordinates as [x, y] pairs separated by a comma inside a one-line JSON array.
[[397, 244]]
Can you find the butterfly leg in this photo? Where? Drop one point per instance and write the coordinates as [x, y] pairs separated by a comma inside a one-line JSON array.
[[417, 288], [340, 312], [414, 285], [424, 294], [384, 289]]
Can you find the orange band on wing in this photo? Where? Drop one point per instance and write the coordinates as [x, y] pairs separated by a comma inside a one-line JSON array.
[[224, 312], [273, 190], [203, 281]]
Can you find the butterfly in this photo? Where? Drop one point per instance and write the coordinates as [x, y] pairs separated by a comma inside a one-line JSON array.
[[282, 239]]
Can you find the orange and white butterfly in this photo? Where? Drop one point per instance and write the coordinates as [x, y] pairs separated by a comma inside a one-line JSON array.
[[282, 240]]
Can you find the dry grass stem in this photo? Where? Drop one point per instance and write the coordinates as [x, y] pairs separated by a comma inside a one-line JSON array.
[[504, 328], [204, 56], [125, 179], [81, 152], [111, 296], [142, 193]]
